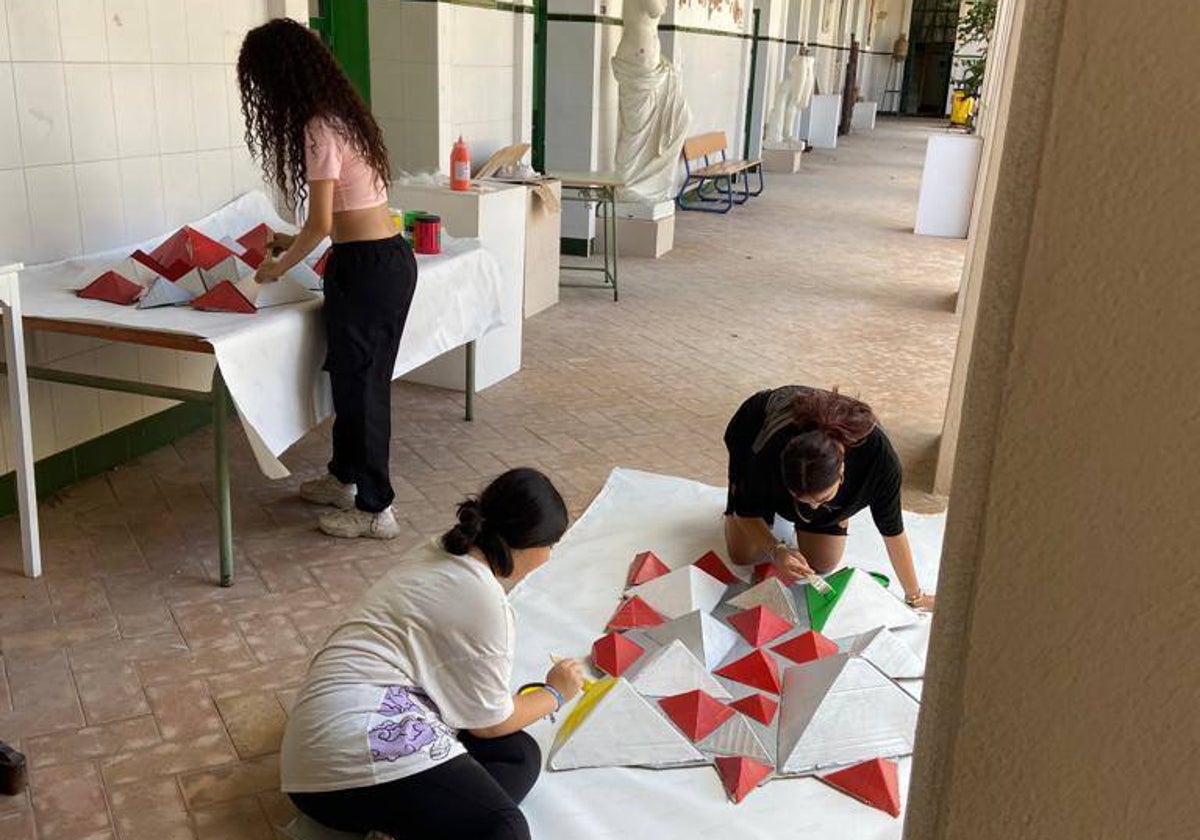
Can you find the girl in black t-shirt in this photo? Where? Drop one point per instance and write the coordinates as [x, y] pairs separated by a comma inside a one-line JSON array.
[[815, 458]]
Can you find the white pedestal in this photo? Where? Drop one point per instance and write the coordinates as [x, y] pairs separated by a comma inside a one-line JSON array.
[[948, 185], [819, 122], [641, 237], [785, 161], [496, 215], [542, 258], [862, 118]]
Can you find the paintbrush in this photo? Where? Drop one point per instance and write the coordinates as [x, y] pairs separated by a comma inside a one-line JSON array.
[[587, 683], [818, 583]]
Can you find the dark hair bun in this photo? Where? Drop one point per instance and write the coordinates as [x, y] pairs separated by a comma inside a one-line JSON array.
[[460, 538]]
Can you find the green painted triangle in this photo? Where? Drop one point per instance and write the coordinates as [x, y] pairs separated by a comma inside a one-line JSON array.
[[883, 579], [820, 606]]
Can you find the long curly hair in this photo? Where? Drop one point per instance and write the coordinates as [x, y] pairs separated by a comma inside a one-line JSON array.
[[287, 77]]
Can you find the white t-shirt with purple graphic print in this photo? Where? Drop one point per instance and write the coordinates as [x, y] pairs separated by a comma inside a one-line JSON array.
[[427, 651]]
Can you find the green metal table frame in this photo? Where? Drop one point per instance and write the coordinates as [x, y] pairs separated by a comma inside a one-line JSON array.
[[602, 192], [217, 396]]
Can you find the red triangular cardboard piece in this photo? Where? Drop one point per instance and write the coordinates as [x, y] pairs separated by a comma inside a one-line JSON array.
[[614, 653], [758, 706], [874, 782], [806, 647], [224, 297], [190, 246], [255, 242], [710, 562], [634, 612], [646, 566], [319, 267], [740, 775], [172, 272], [759, 625], [765, 571], [756, 669], [113, 288], [697, 713]]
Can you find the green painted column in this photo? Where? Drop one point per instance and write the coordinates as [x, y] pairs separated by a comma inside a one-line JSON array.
[[345, 28]]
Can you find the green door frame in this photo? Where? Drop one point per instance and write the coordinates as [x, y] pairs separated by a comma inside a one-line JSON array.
[[344, 27], [538, 154]]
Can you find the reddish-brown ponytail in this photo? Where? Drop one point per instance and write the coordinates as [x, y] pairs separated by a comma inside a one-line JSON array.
[[829, 422]]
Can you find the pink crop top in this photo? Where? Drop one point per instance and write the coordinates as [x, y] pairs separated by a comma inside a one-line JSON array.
[[327, 156]]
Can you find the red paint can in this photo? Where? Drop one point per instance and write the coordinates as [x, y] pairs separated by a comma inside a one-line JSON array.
[[427, 234]]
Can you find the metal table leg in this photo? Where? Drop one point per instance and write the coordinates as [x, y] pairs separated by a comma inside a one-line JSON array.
[[469, 382], [220, 398], [612, 202], [18, 392]]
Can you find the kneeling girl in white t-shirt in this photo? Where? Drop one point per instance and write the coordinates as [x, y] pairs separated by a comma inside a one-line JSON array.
[[406, 722]]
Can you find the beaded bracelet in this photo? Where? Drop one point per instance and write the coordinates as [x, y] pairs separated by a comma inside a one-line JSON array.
[[559, 700]]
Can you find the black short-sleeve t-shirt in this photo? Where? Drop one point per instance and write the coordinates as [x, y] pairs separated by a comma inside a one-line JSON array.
[[756, 437]]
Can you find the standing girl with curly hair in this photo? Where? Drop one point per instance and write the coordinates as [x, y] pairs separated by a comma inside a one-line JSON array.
[[814, 458], [318, 144]]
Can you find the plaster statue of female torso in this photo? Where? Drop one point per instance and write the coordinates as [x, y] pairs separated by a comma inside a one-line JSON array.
[[639, 35]]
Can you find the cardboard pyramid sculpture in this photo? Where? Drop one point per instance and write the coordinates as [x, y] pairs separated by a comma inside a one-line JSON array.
[[766, 571], [841, 710], [672, 670], [859, 603], [735, 737], [163, 292], [806, 647], [741, 775], [682, 591], [123, 283], [645, 566], [711, 562], [255, 243], [708, 639], [874, 782], [756, 669], [183, 251], [696, 713], [760, 707], [614, 726], [888, 653], [759, 625], [614, 653], [769, 593], [232, 288], [632, 614]]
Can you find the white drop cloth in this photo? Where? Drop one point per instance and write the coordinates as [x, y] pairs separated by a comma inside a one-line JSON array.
[[271, 361], [562, 608]]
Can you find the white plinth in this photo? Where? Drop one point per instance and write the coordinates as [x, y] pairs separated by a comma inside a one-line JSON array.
[[785, 161], [641, 237], [650, 211], [819, 122], [542, 234], [948, 185], [862, 118], [496, 215]]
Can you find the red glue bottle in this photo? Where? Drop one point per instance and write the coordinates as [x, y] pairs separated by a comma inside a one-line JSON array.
[[460, 166]]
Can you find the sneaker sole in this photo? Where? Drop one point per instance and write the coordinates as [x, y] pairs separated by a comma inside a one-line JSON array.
[[353, 535]]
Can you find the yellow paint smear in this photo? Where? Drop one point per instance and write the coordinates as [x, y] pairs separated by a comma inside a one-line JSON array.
[[588, 701]]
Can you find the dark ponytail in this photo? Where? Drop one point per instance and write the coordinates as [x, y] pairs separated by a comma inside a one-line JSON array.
[[829, 423], [519, 509]]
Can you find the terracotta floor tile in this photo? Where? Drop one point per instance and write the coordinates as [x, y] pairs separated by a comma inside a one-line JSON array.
[[68, 801], [282, 673], [254, 722], [17, 826], [205, 625], [59, 636], [92, 742], [150, 810], [183, 710], [272, 637], [112, 653], [182, 667], [278, 807], [112, 693], [237, 819], [208, 787], [168, 758]]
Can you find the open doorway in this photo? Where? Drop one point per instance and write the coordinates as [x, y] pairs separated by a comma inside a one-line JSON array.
[[933, 28]]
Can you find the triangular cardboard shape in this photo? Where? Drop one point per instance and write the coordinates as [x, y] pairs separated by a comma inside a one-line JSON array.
[[305, 276], [672, 670], [634, 613], [712, 563], [888, 653], [875, 782], [806, 647], [192, 282], [766, 571], [320, 264], [191, 247], [276, 293], [732, 738], [231, 268], [645, 566], [696, 713], [614, 726], [255, 241], [682, 591], [770, 593], [112, 287], [708, 639], [741, 775], [163, 292], [759, 625], [758, 706], [224, 297], [858, 604], [614, 653], [756, 669], [172, 272], [842, 710]]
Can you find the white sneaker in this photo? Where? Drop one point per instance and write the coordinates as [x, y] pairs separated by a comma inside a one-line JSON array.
[[359, 523], [327, 490]]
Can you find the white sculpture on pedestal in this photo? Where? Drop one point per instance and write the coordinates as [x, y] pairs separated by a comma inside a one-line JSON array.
[[653, 116], [791, 97]]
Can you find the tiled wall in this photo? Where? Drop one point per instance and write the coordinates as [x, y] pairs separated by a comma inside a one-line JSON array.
[[119, 120]]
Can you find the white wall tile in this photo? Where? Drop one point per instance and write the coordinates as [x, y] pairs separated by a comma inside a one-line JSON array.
[[419, 26], [160, 367], [181, 189], [237, 18], [195, 371], [168, 31], [76, 410], [42, 113], [216, 178], [101, 206], [33, 30], [15, 242], [41, 416], [4, 53], [134, 110], [128, 25], [116, 409], [206, 37], [10, 132], [173, 102], [209, 106], [90, 105], [142, 196], [247, 174], [233, 101], [53, 213], [82, 30]]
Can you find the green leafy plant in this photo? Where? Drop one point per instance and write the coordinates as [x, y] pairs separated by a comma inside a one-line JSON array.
[[976, 26]]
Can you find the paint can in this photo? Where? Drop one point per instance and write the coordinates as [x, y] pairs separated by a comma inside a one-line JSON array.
[[427, 234]]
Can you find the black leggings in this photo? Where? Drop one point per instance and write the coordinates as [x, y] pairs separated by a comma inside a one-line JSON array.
[[472, 797], [369, 287]]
